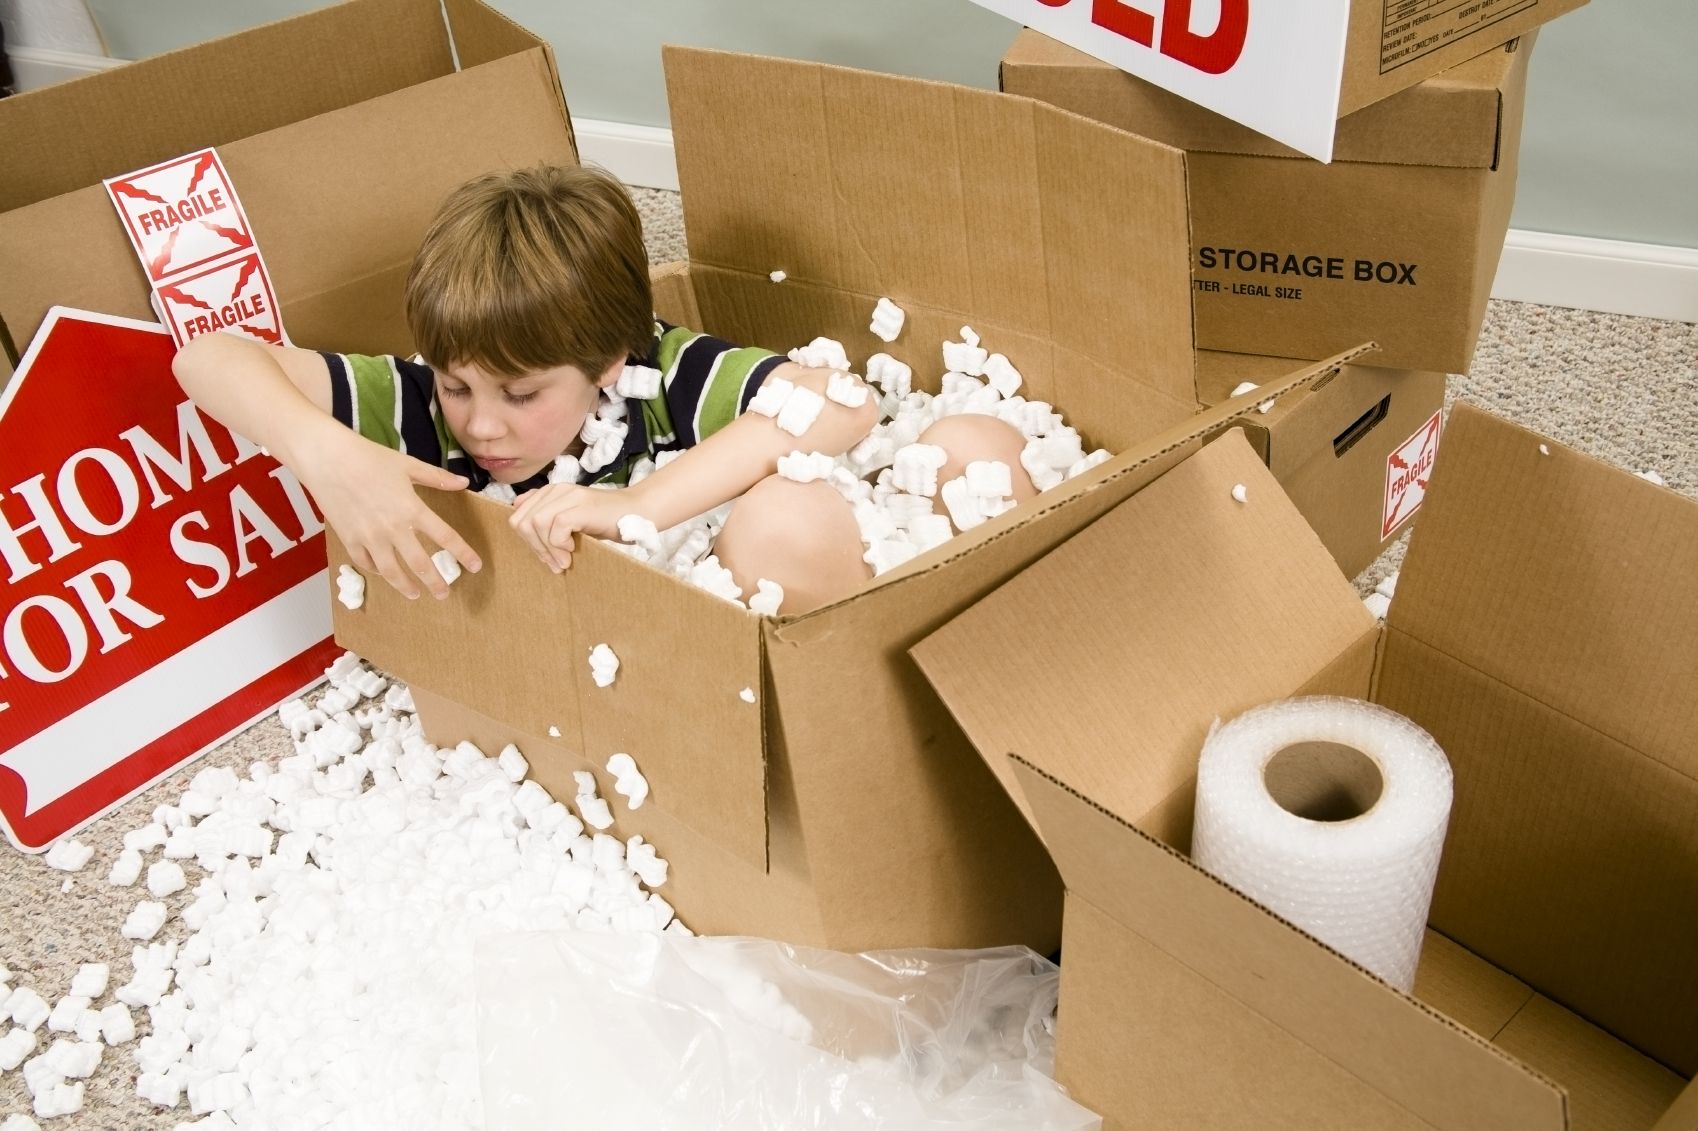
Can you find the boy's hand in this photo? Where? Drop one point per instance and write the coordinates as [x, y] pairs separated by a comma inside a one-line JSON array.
[[547, 517], [366, 494]]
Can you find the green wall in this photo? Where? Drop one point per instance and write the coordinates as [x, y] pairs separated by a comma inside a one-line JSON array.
[[1610, 147]]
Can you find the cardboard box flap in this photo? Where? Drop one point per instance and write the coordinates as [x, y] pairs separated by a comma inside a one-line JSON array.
[[950, 198], [330, 250], [513, 642], [1391, 1042], [1450, 120], [1566, 579], [1179, 606], [482, 34], [77, 133]]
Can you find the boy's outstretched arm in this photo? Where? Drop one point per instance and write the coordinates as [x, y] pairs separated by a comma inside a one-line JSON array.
[[280, 399], [715, 471]]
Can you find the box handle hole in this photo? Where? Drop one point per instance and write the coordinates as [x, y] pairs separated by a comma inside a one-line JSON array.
[[1363, 425]]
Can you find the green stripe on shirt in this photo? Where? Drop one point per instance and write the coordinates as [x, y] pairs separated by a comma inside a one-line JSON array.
[[718, 406], [374, 397]]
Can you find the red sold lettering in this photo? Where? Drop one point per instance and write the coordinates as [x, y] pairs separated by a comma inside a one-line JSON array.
[[1214, 53], [1124, 21]]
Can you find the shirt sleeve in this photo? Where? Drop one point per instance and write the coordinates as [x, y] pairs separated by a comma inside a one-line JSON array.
[[706, 382], [390, 401]]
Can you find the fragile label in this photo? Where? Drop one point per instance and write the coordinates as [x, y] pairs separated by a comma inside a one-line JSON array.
[[195, 244], [1408, 468], [235, 295], [181, 215]]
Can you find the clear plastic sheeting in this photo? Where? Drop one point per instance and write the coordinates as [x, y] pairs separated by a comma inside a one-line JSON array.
[[669, 1031]]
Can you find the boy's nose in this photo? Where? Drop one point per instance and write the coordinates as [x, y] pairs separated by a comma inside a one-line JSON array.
[[484, 424]]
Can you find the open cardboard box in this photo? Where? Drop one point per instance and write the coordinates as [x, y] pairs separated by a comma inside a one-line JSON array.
[[1398, 239], [1390, 47], [843, 808], [342, 130], [1331, 446], [1544, 605]]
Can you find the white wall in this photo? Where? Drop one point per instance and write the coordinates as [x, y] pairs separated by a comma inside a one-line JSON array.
[[1609, 152]]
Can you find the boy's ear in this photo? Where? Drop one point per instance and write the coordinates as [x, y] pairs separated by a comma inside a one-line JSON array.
[[610, 376]]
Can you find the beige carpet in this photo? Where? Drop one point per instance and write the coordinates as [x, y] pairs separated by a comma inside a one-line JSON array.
[[1623, 389]]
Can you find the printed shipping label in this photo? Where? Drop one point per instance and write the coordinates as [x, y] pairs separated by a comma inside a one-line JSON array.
[[1273, 65], [1410, 29], [1408, 468]]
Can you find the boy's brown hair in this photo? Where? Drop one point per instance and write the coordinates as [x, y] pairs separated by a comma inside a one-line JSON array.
[[533, 269]]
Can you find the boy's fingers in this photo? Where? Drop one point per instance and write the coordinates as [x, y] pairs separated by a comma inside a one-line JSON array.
[[560, 533], [422, 567], [439, 532], [534, 541], [429, 475], [398, 579]]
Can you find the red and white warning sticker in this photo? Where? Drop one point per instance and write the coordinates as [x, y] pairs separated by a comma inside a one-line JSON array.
[[234, 295], [195, 243], [1408, 468]]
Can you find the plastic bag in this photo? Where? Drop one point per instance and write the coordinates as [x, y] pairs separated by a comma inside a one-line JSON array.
[[669, 1031]]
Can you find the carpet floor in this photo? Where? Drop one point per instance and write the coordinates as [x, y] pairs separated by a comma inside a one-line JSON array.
[[1622, 389]]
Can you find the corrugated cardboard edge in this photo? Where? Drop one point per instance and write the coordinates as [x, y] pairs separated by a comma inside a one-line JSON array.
[[1683, 1116], [1205, 424], [462, 14], [1025, 771], [1206, 131], [433, 644]]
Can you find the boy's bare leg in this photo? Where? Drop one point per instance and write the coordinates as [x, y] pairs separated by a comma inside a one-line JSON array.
[[801, 535], [971, 437]]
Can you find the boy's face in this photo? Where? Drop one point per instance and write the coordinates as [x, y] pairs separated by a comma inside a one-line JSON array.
[[514, 427]]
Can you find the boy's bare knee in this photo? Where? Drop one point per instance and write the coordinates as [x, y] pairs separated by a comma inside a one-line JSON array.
[[972, 437], [801, 535]]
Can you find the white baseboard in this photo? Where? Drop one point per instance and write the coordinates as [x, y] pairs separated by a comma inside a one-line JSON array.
[[1614, 276], [637, 155], [36, 67]]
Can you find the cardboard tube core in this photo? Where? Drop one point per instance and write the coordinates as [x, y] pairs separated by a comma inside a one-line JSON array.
[[1323, 781]]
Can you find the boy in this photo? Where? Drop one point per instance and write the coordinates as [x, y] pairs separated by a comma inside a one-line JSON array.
[[528, 297]]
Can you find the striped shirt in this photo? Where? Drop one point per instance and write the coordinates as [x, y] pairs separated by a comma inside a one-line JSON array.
[[705, 384]]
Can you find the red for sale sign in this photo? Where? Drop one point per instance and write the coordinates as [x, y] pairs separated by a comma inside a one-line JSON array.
[[165, 580]]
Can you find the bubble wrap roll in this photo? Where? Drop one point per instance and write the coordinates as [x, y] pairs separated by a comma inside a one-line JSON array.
[[1360, 885]]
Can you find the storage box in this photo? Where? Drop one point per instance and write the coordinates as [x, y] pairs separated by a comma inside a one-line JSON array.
[[1544, 606], [342, 130], [1352, 450], [842, 807], [1289, 71], [1396, 241]]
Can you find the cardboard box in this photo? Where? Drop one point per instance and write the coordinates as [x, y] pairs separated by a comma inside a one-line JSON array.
[[1396, 241], [1293, 70], [843, 808], [1543, 605], [1350, 450], [342, 129]]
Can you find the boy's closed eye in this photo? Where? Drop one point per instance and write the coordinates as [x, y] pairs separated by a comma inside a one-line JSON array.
[[510, 396]]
